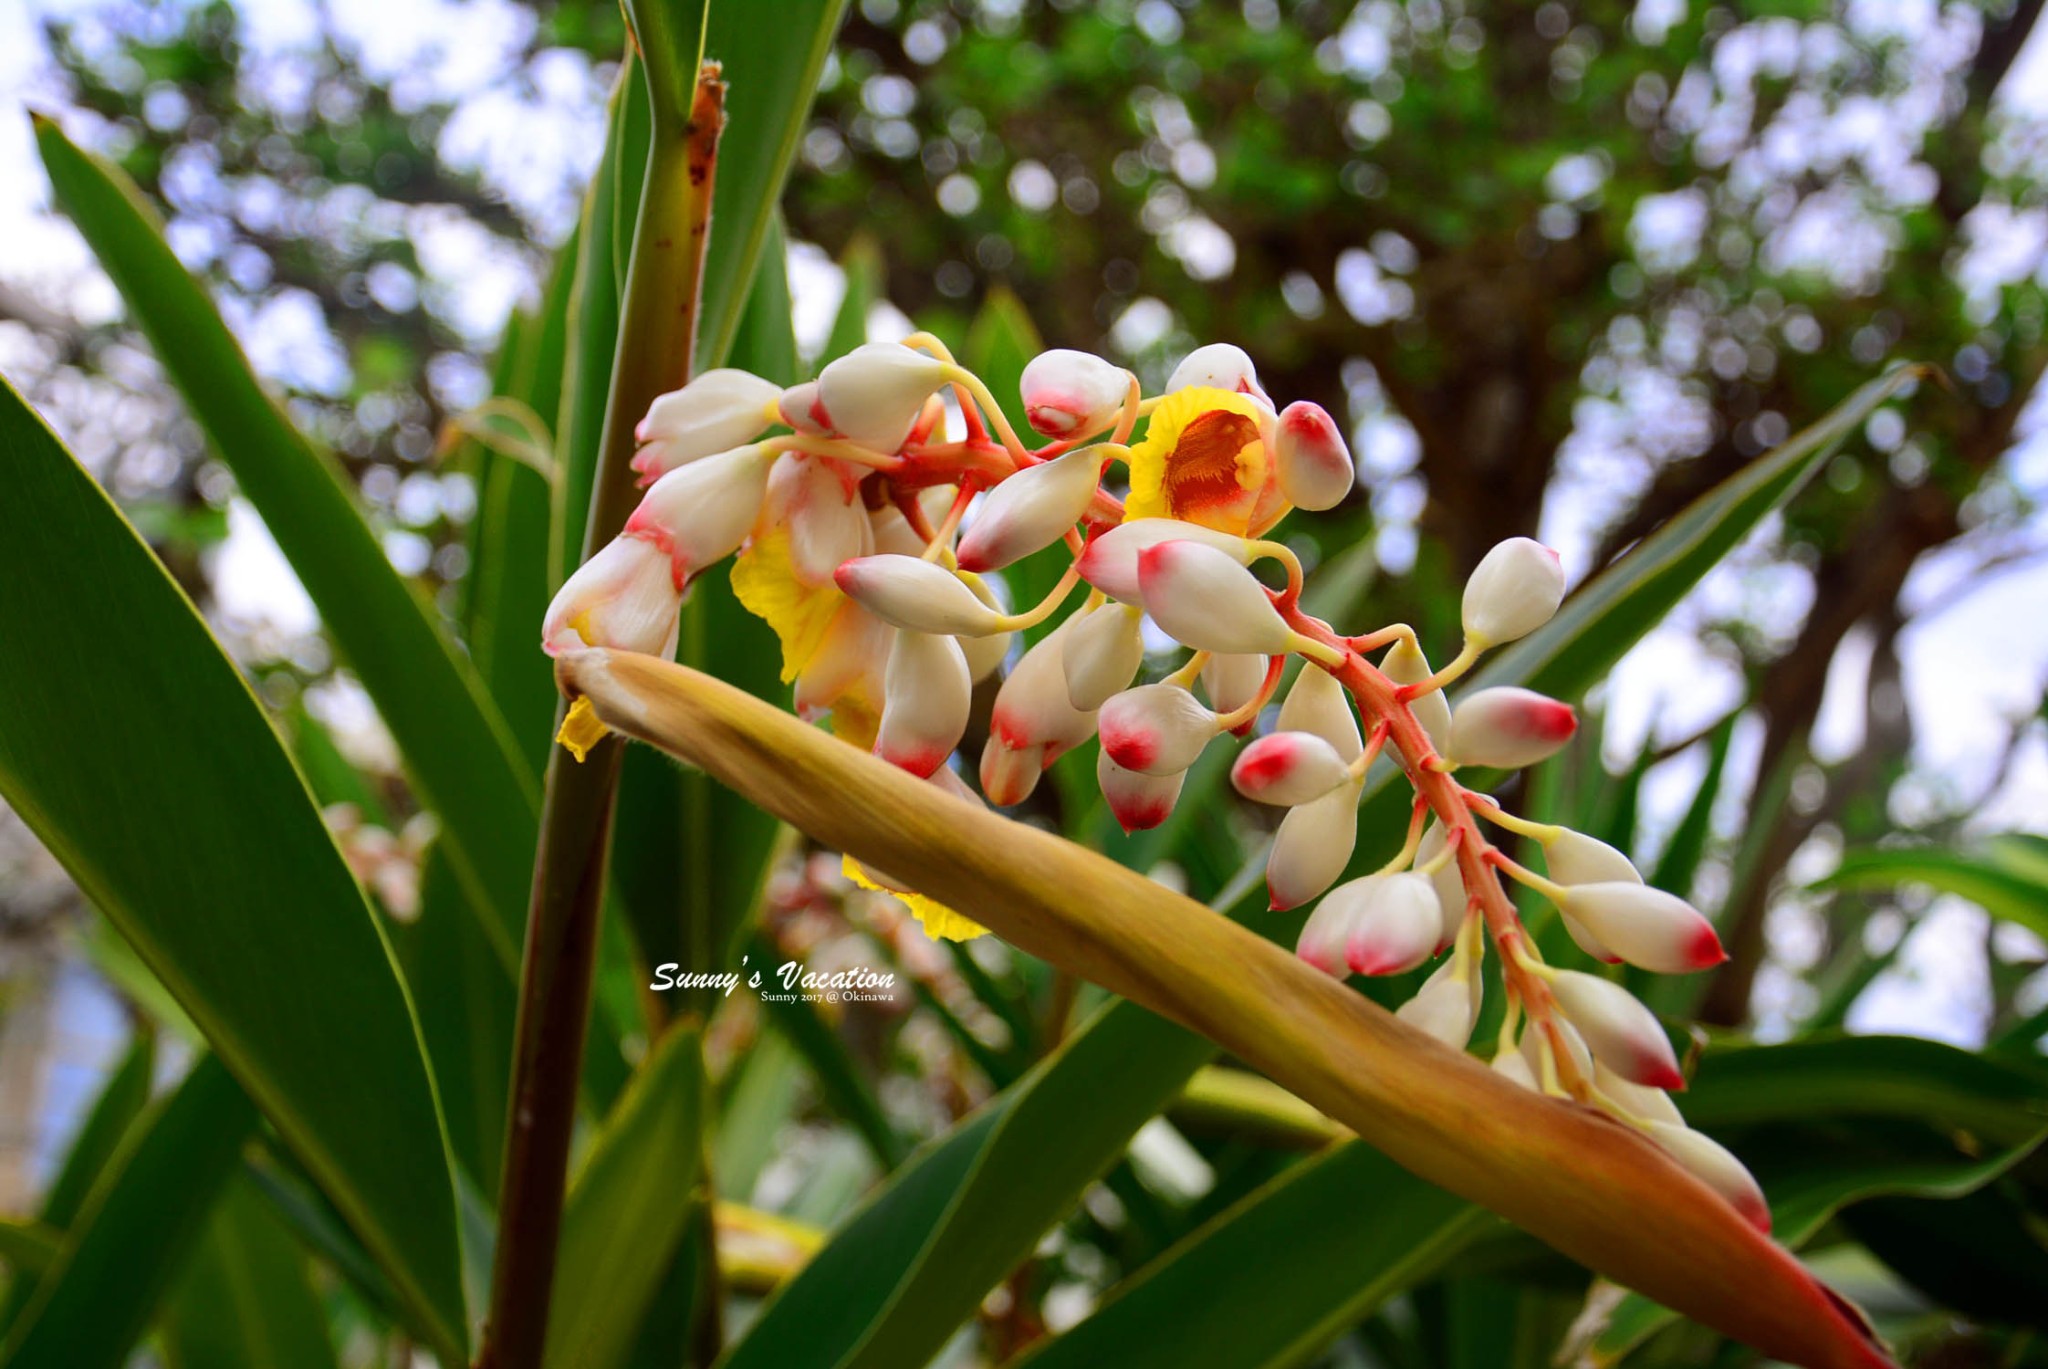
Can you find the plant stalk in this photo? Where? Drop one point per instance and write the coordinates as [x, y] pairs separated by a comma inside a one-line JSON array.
[[657, 339]]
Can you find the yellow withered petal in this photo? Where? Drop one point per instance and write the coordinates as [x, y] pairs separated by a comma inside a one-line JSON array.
[[581, 729], [940, 922], [1203, 460], [766, 585]]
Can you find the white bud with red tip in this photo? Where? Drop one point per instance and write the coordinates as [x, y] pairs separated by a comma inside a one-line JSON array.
[[1031, 510], [1447, 1004], [1288, 768], [1451, 896], [1157, 728], [1138, 801], [1203, 597], [925, 704], [1638, 1100], [1010, 773], [715, 412], [1219, 366], [916, 595], [851, 659], [1508, 728], [1068, 393], [875, 394], [1311, 461], [1110, 560], [1312, 846], [1231, 681], [1515, 590], [820, 507], [1575, 858], [1033, 709], [1711, 1163], [1317, 703], [1405, 665], [700, 513], [1381, 924], [802, 407], [1646, 927], [625, 597], [1619, 1030], [1103, 651]]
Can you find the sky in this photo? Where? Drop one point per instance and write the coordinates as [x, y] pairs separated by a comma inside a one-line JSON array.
[[1971, 665]]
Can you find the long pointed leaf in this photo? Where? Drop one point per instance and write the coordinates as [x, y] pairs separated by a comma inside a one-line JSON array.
[[1599, 1193], [246, 1298]]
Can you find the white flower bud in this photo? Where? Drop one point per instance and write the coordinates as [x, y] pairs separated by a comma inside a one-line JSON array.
[[985, 654], [1646, 927], [1208, 600], [1068, 392], [1310, 459], [1510, 1065], [1103, 651], [1110, 560], [1507, 728], [1031, 510], [1446, 1006], [875, 394], [1288, 768], [700, 513], [1515, 590], [1218, 365], [1232, 681], [802, 407], [925, 703], [814, 498], [625, 597], [916, 595], [715, 412], [1156, 728], [1032, 708], [1010, 773], [1575, 858], [852, 658], [1620, 1031], [1534, 1042], [1317, 703], [1638, 1100], [1139, 801], [1711, 1163], [1451, 897], [1405, 665], [1381, 924], [1312, 846]]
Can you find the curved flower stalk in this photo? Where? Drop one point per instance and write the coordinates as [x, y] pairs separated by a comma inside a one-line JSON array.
[[870, 533]]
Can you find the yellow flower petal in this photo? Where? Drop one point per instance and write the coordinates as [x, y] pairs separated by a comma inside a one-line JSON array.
[[940, 922], [1202, 460], [766, 585], [581, 728]]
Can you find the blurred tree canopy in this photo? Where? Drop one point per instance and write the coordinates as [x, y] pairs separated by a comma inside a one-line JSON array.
[[1567, 265]]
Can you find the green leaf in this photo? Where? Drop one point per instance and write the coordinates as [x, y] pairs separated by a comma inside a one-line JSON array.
[[136, 752], [133, 1234], [2005, 887], [861, 263], [454, 741], [1680, 861], [627, 1209], [771, 74], [29, 1248], [839, 1076], [1276, 1278], [246, 1299]]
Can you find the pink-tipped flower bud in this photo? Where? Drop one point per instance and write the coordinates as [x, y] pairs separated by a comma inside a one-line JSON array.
[[1157, 729], [1310, 458], [1620, 1031], [1317, 703], [1232, 681], [802, 407], [985, 654], [1711, 1163], [625, 597], [1508, 728], [875, 394], [924, 707], [851, 659], [1515, 590], [1312, 847], [1033, 709], [1405, 665], [1646, 927], [700, 513], [916, 595], [1103, 651], [1031, 510], [1575, 858], [1010, 773], [1208, 600], [1446, 1006], [1381, 924], [1451, 896], [1110, 560], [1288, 768], [1638, 1100], [715, 412], [814, 498], [1140, 802], [1219, 366], [1067, 393]]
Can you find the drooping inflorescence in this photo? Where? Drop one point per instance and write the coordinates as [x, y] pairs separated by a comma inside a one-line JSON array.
[[872, 528]]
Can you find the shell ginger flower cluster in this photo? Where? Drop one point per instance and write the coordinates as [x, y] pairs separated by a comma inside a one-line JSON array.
[[872, 522]]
